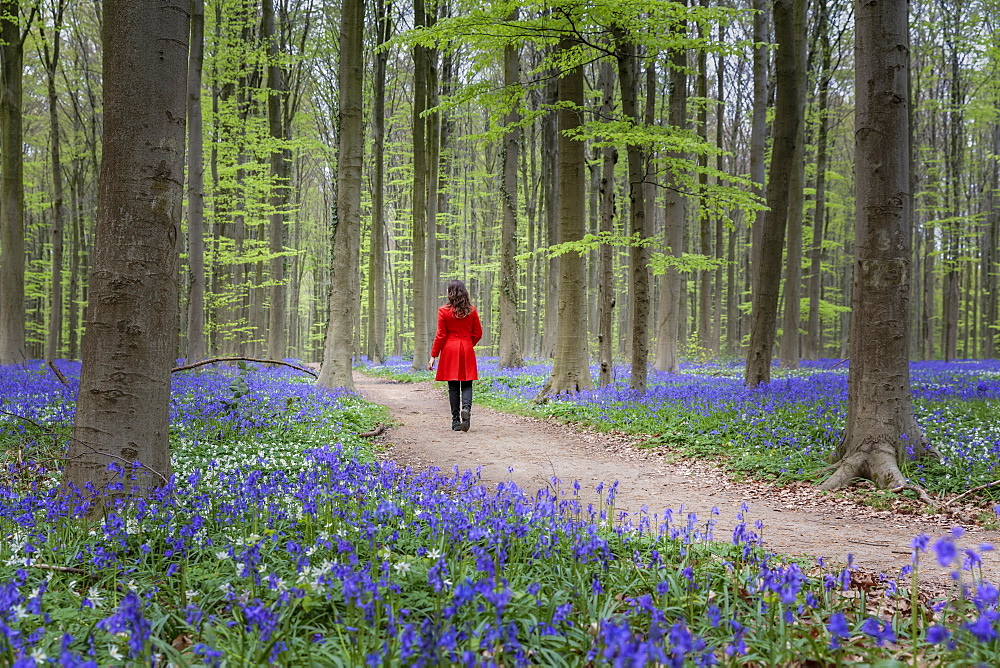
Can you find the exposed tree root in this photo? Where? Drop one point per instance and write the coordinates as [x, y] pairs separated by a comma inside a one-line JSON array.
[[921, 493], [377, 431]]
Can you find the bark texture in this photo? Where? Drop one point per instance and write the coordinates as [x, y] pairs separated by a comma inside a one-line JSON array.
[[668, 322], [339, 349], [196, 188], [421, 349], [571, 369], [763, 324], [605, 289], [880, 421], [627, 57], [130, 344], [510, 346], [376, 259], [12, 313]]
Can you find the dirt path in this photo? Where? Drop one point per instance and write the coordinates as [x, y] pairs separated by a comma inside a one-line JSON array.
[[530, 452]]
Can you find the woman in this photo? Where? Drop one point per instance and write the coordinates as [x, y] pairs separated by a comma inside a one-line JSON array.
[[458, 331]]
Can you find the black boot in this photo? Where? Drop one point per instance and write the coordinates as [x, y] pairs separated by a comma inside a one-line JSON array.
[[453, 399], [466, 404]]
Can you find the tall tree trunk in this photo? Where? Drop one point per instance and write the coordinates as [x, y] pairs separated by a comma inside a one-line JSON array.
[[704, 325], [571, 370], [196, 188], [12, 311], [432, 160], [606, 286], [880, 420], [718, 304], [627, 55], [989, 259], [51, 60], [668, 327], [376, 259], [421, 350], [786, 131], [550, 175], [76, 222], [814, 333], [758, 128], [340, 334], [510, 348], [129, 348], [793, 259], [276, 341]]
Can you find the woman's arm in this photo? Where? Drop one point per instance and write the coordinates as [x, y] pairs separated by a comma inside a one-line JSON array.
[[477, 327], [442, 334]]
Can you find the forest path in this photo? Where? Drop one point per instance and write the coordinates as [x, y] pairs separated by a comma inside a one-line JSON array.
[[798, 520]]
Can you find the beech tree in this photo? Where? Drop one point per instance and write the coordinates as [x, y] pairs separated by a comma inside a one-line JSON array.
[[12, 310], [340, 335], [571, 368], [880, 419], [787, 118], [130, 344]]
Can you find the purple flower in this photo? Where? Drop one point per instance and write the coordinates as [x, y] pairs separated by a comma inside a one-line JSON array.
[[879, 630], [838, 629], [946, 551], [129, 619], [937, 634], [982, 629]]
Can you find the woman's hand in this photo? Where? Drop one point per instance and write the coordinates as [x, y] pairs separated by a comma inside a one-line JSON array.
[[430, 366]]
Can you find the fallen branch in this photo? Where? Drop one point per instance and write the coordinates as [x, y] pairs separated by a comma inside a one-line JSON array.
[[846, 359], [377, 431], [60, 569], [58, 373], [242, 359], [970, 491]]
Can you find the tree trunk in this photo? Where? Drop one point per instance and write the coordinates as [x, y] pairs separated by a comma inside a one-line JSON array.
[[510, 348], [880, 420], [758, 129], [571, 370], [704, 325], [421, 350], [51, 62], [814, 332], [989, 259], [12, 311], [340, 333], [786, 131], [627, 55], [668, 327], [130, 344], [550, 175], [376, 259], [606, 286], [793, 259], [196, 189], [277, 95]]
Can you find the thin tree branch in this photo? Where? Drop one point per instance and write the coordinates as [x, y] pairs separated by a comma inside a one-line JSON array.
[[241, 359], [970, 491]]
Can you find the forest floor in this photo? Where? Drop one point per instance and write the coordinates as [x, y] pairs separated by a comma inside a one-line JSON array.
[[798, 519]]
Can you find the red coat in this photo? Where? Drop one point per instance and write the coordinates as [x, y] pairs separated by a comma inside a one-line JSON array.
[[454, 341]]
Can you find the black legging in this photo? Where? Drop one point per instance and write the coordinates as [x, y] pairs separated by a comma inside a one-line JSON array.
[[453, 396]]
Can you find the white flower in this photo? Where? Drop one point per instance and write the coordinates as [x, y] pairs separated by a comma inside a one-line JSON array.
[[222, 555], [401, 567], [95, 597], [19, 612], [38, 654], [115, 654], [433, 554]]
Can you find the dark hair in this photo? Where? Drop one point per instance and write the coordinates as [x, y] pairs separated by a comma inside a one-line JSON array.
[[458, 298]]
